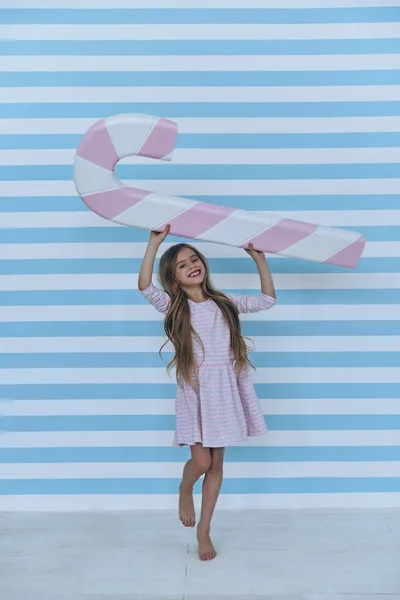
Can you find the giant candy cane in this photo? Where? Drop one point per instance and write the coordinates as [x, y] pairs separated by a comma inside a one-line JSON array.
[[114, 138]]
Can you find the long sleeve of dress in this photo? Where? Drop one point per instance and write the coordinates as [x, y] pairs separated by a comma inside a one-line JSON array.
[[252, 304], [159, 299]]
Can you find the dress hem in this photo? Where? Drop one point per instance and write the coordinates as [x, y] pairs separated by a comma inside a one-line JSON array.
[[238, 441]]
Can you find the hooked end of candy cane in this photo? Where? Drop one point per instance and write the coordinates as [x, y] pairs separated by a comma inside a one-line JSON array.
[[142, 135], [111, 139]]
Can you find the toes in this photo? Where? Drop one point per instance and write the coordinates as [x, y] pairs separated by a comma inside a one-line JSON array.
[[208, 555]]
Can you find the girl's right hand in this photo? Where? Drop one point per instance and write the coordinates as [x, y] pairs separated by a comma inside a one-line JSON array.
[[157, 238]]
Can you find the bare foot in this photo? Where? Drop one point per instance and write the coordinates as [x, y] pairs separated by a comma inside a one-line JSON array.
[[186, 508], [206, 548]]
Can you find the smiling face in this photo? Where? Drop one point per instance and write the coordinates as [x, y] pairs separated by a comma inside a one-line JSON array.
[[189, 269]]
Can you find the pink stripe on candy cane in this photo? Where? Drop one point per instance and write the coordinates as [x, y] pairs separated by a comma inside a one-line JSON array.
[[111, 203], [97, 147], [200, 217], [281, 236], [161, 140], [349, 256]]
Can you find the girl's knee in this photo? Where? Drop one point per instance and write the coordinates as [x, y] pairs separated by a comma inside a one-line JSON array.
[[216, 467], [201, 458], [203, 463], [217, 461]]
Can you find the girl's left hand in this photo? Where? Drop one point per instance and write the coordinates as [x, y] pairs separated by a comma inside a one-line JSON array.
[[255, 254]]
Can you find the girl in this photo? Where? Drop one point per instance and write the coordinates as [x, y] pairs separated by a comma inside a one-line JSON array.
[[216, 404]]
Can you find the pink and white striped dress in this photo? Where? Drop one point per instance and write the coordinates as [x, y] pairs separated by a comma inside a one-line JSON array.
[[224, 410]]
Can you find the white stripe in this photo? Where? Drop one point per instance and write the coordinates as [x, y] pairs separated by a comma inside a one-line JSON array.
[[106, 502], [96, 4], [328, 218], [217, 125], [295, 281], [376, 93], [295, 312], [117, 250], [223, 156], [112, 439], [152, 470], [321, 62], [327, 245], [211, 31], [91, 178], [131, 375], [31, 408], [238, 228], [220, 187], [153, 211], [270, 406], [127, 134], [362, 343]]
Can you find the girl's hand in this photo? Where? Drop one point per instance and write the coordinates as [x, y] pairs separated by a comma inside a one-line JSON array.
[[157, 238], [255, 254]]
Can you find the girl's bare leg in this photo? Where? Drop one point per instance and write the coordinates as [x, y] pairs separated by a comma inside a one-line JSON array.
[[211, 488], [193, 470]]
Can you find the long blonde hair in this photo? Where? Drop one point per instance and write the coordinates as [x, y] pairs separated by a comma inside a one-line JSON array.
[[177, 325]]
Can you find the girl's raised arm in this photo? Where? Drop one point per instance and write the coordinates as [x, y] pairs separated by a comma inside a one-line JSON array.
[[267, 283], [267, 298], [146, 270], [158, 298]]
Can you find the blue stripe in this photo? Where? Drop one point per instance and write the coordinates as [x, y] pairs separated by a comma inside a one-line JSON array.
[[222, 140], [273, 203], [150, 328], [83, 16], [152, 359], [122, 297], [199, 78], [212, 172], [233, 454], [173, 110], [301, 485], [59, 235], [167, 423], [197, 47], [44, 266], [121, 391]]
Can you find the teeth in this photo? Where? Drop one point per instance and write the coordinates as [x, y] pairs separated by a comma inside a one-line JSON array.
[[194, 274]]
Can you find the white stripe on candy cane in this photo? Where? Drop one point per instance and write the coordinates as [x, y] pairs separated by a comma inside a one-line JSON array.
[[238, 228], [90, 178], [154, 211], [129, 138]]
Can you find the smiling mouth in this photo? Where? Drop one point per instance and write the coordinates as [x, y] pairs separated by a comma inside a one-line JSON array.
[[194, 274]]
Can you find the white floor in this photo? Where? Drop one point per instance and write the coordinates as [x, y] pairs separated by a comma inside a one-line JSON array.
[[274, 555]]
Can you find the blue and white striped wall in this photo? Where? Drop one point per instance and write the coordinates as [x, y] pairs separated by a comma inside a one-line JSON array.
[[291, 106]]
